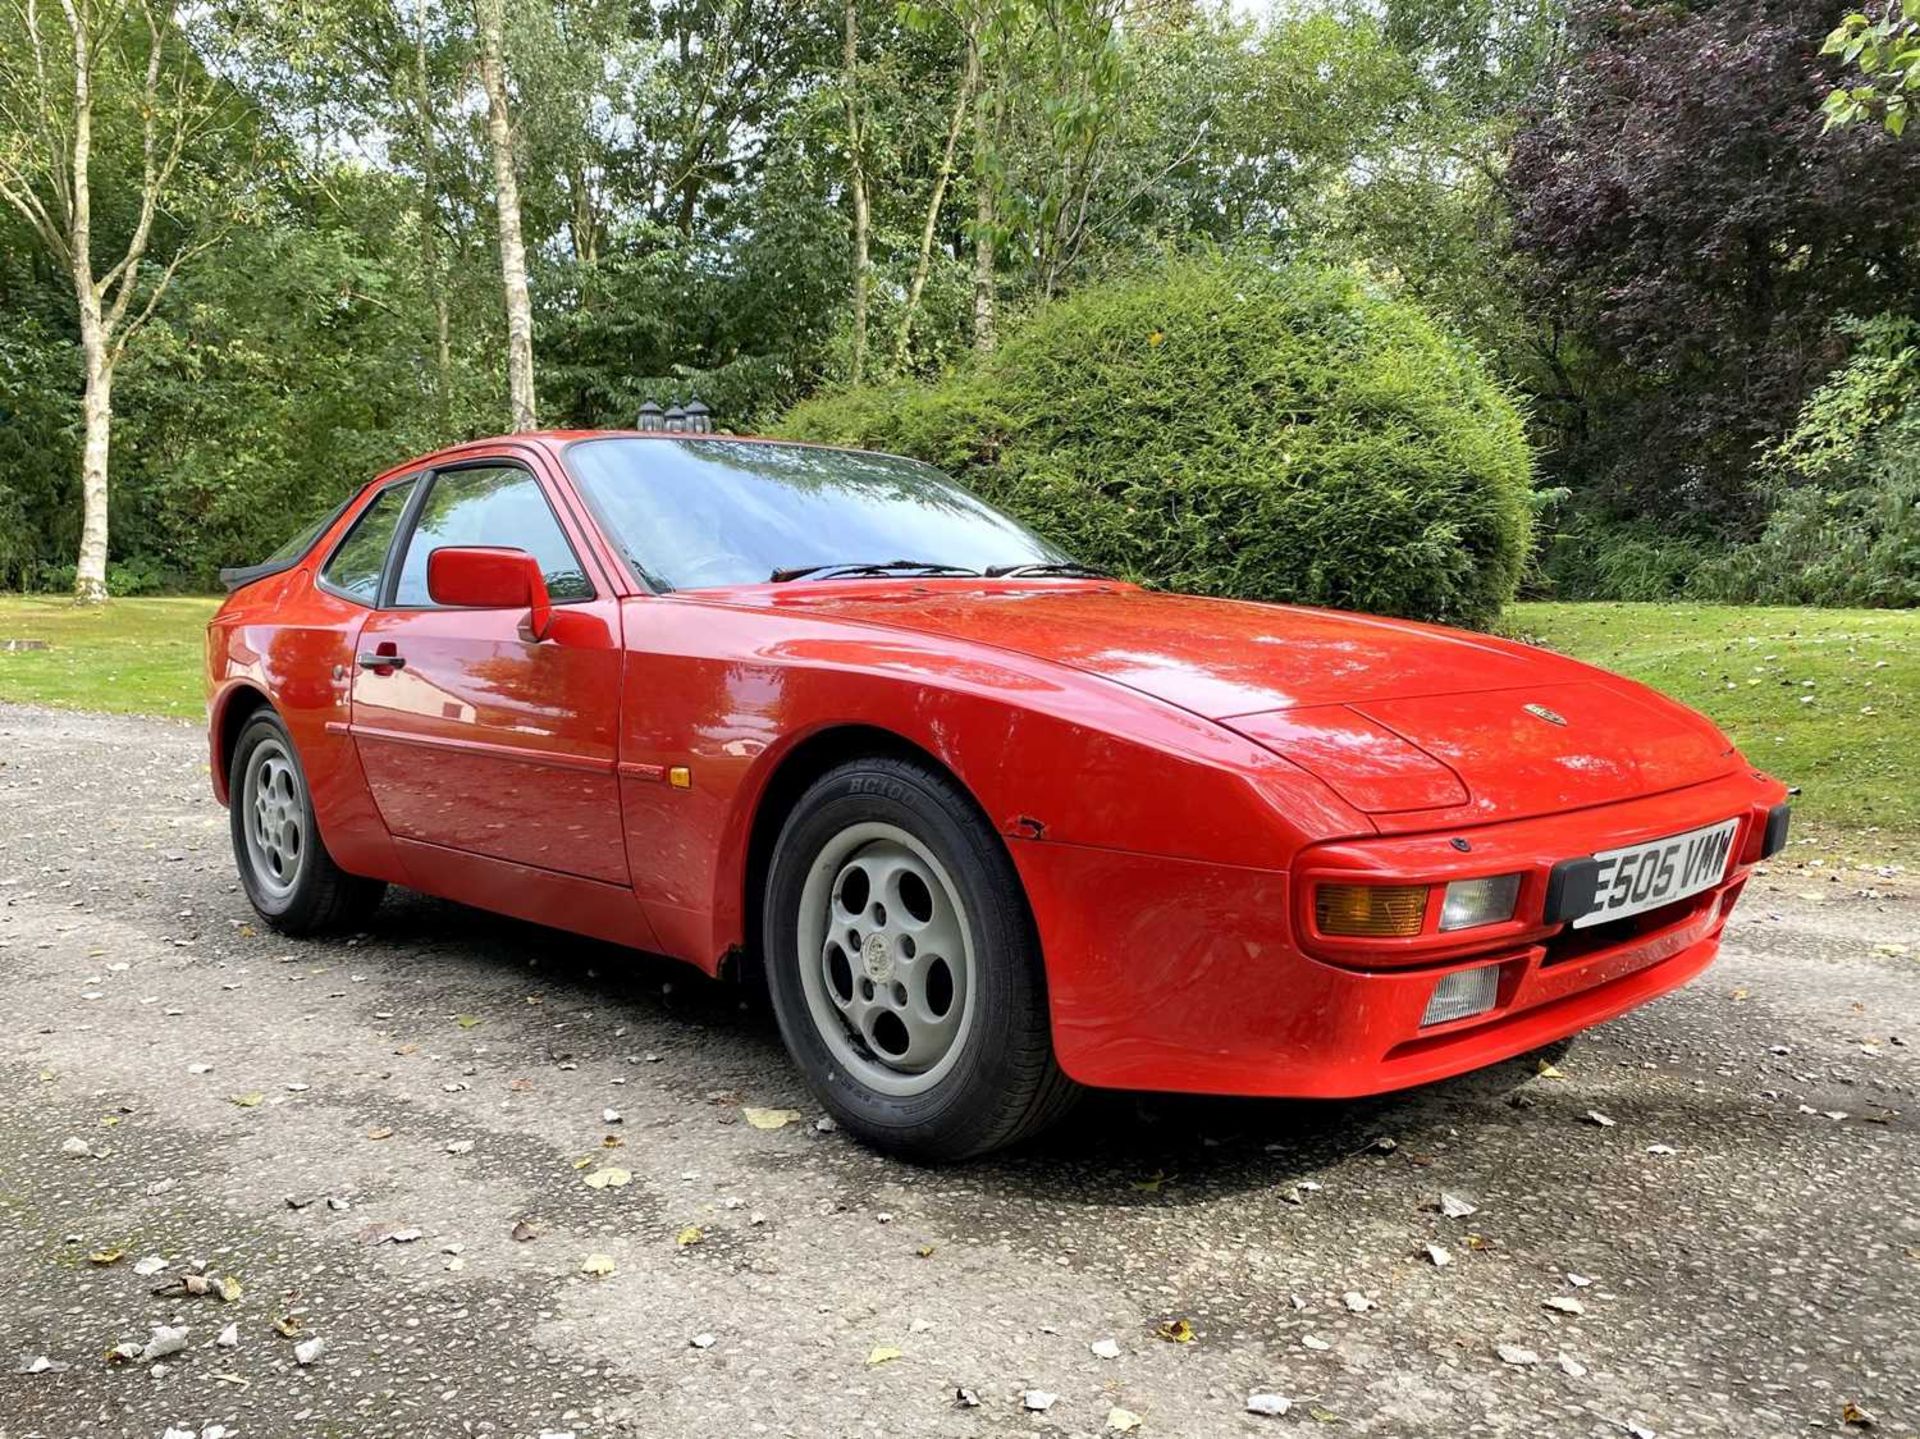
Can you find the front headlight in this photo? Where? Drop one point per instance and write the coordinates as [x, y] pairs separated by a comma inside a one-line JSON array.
[[1473, 902]]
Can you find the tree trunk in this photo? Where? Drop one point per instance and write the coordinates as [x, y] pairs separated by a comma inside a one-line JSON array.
[[857, 179], [983, 220], [90, 570], [506, 196], [903, 344], [96, 408], [430, 223]]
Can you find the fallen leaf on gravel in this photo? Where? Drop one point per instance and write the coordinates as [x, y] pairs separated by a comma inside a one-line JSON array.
[[598, 1265], [1578, 1281], [586, 1161], [1274, 1404], [1514, 1354], [612, 1141], [1547, 1070], [1176, 1331], [609, 1178], [1594, 1116], [1454, 1207], [1439, 1255], [1852, 1413], [768, 1118], [151, 1265], [228, 1338], [689, 1236], [701, 1341], [380, 1131], [77, 1149], [1565, 1305], [1105, 1349], [1355, 1301], [882, 1354], [1038, 1400], [246, 1101], [1151, 1184], [308, 1350], [1571, 1367], [288, 1325], [104, 1257], [468, 1021], [964, 1398], [123, 1353], [523, 1230], [1122, 1421], [1322, 1414]]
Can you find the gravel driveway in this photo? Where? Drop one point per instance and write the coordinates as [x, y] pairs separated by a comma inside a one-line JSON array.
[[410, 1146]]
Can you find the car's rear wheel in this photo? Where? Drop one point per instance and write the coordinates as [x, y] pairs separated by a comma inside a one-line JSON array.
[[290, 879], [904, 968]]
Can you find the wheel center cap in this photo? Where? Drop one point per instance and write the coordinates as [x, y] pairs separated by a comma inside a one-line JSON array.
[[876, 957]]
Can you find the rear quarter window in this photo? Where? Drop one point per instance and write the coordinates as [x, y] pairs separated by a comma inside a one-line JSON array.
[[354, 569]]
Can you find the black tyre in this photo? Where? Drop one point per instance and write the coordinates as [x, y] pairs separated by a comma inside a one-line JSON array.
[[903, 965], [290, 879]]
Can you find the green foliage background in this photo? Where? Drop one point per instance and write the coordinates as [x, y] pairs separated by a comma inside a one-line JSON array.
[[1235, 427]]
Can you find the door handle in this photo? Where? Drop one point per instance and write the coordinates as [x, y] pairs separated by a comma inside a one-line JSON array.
[[379, 663]]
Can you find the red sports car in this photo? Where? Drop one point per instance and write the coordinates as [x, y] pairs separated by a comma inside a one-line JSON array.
[[993, 826]]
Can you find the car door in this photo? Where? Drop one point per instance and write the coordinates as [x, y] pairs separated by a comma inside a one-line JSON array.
[[473, 735]]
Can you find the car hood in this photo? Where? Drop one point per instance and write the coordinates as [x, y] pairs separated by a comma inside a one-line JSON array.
[[1399, 718]]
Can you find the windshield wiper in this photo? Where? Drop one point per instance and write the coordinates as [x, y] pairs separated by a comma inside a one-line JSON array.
[[1066, 568], [851, 569]]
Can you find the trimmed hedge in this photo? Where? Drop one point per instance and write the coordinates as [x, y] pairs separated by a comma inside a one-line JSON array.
[[1234, 428]]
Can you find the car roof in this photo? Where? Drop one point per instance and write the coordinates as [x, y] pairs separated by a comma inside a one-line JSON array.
[[556, 440]]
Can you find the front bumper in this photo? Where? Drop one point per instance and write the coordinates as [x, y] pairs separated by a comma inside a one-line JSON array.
[[1176, 975]]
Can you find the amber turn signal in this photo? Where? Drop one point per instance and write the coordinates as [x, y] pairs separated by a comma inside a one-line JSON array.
[[1370, 911]]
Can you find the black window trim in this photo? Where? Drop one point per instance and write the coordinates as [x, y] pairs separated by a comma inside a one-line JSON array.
[[410, 520], [417, 479]]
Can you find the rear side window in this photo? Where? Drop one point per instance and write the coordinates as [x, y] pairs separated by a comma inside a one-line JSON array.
[[499, 505], [354, 570]]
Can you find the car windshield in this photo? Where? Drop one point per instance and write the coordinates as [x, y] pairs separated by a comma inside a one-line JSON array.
[[697, 513]]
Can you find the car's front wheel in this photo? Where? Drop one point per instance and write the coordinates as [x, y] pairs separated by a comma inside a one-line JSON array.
[[290, 879], [904, 968]]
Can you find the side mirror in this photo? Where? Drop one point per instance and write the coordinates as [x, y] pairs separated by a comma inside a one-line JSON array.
[[491, 579]]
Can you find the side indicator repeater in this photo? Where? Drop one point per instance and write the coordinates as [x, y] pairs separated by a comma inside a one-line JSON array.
[[680, 777]]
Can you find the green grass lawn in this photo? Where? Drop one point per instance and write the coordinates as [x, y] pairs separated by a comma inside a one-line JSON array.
[[1825, 699], [130, 656], [1822, 698]]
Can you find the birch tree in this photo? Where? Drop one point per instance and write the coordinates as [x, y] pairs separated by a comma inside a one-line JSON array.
[[491, 17], [110, 70]]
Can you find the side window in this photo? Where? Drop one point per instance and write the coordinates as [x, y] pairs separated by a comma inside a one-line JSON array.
[[491, 505], [355, 566]]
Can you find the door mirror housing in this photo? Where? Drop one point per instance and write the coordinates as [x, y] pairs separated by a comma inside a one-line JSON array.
[[486, 578]]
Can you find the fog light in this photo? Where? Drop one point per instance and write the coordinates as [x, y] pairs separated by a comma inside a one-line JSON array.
[[1370, 911], [1464, 992], [1471, 902]]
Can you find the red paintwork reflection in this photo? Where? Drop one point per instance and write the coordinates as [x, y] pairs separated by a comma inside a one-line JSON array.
[[1170, 775]]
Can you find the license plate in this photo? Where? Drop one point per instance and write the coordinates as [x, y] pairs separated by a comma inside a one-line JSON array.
[[1641, 877]]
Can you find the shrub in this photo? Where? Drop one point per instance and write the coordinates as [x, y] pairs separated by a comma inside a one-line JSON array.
[[1235, 428]]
